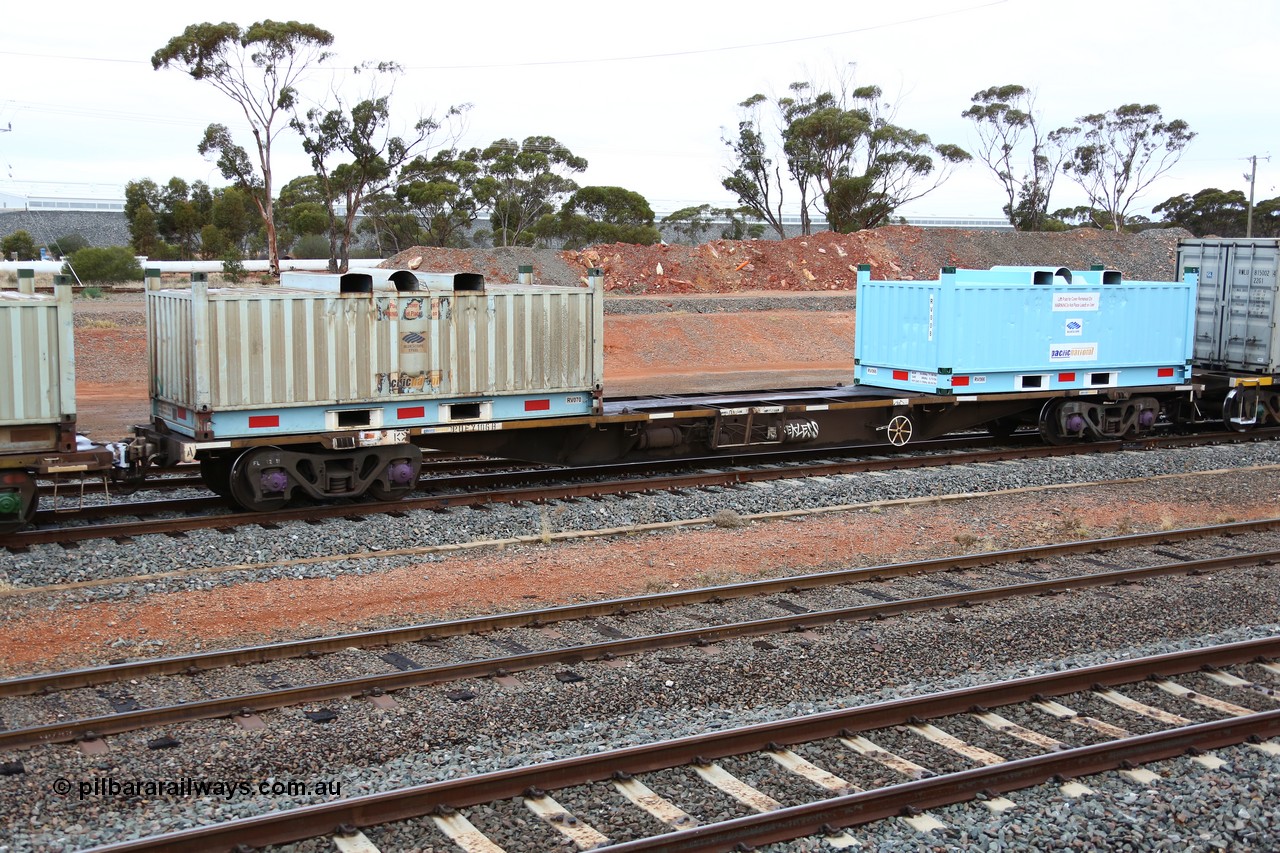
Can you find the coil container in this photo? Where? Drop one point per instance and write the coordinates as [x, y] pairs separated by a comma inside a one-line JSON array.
[[37, 387], [1022, 329], [371, 350]]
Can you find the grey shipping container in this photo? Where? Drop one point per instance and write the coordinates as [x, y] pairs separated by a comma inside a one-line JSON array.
[[1237, 306]]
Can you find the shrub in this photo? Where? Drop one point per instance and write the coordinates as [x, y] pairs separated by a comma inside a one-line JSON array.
[[233, 265], [311, 246], [108, 264], [19, 246], [727, 518], [69, 245]]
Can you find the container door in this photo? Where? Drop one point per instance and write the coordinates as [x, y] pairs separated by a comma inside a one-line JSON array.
[[1251, 343], [1213, 260]]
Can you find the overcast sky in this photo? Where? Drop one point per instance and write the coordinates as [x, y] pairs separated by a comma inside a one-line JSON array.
[[645, 91]]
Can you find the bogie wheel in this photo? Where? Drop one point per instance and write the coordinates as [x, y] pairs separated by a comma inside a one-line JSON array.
[[17, 505], [401, 475], [1239, 411], [258, 482], [899, 430], [1049, 424]]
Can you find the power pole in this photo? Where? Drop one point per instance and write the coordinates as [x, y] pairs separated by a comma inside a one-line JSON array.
[[1252, 178]]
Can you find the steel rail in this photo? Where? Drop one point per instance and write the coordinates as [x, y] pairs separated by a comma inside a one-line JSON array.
[[203, 661], [591, 489], [542, 493], [945, 789], [91, 728], [310, 821], [503, 480]]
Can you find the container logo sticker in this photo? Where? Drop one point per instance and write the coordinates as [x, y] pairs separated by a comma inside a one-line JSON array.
[[1073, 352], [412, 342], [1074, 328], [1076, 301], [412, 309]]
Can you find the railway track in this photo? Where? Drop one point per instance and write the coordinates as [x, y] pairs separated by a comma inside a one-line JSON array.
[[550, 484], [821, 774], [716, 614]]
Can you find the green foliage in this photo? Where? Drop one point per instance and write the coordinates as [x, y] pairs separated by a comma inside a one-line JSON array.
[[521, 182], [19, 246], [143, 232], [440, 194], [1121, 153], [689, 223], [235, 213], [1024, 157], [213, 243], [692, 223], [738, 227], [594, 215], [1221, 214], [839, 151], [392, 226], [1080, 216], [756, 181], [69, 244], [109, 264], [370, 156], [312, 247], [258, 68], [91, 292], [233, 265], [166, 252]]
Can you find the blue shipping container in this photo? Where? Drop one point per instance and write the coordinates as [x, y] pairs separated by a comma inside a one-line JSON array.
[[1022, 329]]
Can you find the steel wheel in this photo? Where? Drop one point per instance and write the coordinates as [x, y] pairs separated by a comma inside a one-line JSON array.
[[899, 430], [1233, 410], [20, 505], [258, 482], [401, 475], [1049, 424]]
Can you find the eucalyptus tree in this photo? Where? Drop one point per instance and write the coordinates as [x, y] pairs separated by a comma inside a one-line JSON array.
[[1024, 156], [355, 154], [258, 67], [842, 154], [1121, 153], [521, 182]]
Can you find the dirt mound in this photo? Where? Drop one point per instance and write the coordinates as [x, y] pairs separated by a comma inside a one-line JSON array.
[[824, 261]]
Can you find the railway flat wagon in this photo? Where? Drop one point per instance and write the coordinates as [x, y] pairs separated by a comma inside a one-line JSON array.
[[1020, 329], [326, 377], [1237, 326]]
